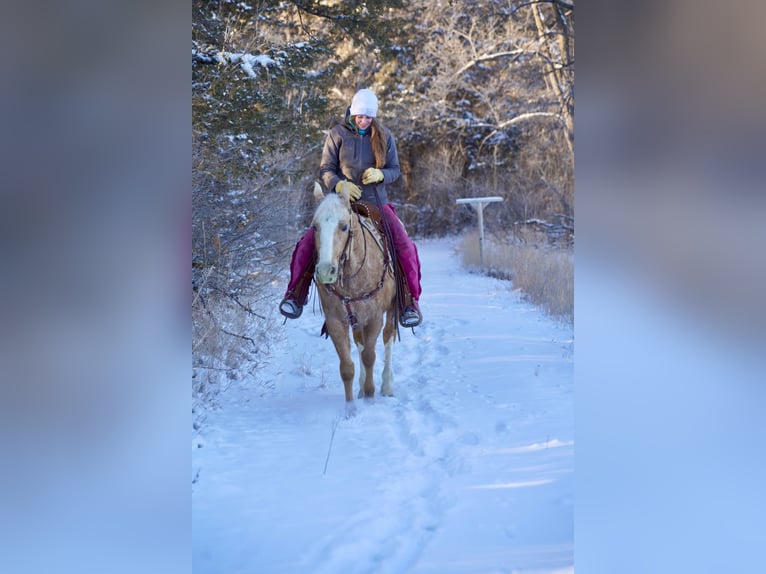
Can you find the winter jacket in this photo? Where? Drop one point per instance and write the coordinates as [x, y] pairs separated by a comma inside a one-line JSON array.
[[347, 154]]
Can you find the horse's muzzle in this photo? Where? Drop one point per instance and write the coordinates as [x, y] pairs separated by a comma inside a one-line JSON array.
[[327, 272]]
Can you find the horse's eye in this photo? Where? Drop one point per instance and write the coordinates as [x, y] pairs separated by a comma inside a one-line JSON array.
[[344, 227]]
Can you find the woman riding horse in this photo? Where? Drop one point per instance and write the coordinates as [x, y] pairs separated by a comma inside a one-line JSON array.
[[359, 158]]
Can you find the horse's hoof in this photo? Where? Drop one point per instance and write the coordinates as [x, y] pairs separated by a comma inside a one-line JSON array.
[[387, 391], [350, 409]]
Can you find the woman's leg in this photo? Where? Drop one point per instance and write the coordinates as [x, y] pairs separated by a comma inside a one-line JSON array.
[[409, 262], [301, 269], [405, 250]]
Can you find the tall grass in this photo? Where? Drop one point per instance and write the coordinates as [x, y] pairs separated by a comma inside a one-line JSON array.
[[544, 274]]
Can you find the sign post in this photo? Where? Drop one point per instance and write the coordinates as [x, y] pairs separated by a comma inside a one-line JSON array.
[[479, 203]]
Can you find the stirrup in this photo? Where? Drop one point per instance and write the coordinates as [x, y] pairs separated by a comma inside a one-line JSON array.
[[411, 317], [290, 308]]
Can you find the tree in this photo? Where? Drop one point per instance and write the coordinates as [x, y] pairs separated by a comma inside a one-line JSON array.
[[478, 94], [553, 21], [264, 79], [478, 80]]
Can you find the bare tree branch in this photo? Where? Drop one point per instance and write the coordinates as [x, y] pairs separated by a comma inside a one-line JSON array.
[[238, 336], [516, 120], [562, 3], [488, 57]]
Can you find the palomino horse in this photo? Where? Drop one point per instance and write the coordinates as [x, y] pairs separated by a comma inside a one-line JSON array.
[[357, 288]]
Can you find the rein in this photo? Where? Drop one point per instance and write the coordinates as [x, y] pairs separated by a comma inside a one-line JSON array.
[[348, 299], [344, 254]]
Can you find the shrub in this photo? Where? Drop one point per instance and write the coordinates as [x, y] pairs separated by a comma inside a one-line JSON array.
[[543, 273]]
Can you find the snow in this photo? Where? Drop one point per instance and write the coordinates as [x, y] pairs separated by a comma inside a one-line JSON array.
[[670, 414], [249, 60], [246, 61], [469, 468]]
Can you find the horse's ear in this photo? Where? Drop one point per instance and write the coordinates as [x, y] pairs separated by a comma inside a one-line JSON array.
[[318, 193]]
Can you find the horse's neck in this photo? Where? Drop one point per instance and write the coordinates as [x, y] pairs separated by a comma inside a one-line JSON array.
[[356, 250], [363, 252]]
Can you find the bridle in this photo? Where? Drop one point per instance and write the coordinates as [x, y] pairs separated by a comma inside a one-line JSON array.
[[342, 260]]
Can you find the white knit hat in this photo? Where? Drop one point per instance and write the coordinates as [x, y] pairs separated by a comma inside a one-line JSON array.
[[364, 103]]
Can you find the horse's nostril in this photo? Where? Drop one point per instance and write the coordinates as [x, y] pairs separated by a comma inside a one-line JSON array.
[[333, 270]]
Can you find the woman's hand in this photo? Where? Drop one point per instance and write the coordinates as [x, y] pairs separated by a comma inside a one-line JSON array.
[[372, 175], [349, 189]]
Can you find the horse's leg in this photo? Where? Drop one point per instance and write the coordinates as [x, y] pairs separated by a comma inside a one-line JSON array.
[[339, 336], [365, 340], [366, 385], [362, 368], [389, 336]]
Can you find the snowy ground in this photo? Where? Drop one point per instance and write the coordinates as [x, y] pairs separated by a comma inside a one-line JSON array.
[[468, 469]]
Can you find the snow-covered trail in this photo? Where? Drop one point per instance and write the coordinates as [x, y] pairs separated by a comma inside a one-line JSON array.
[[468, 469]]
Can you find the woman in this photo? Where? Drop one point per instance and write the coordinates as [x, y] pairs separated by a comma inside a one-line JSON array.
[[359, 157]]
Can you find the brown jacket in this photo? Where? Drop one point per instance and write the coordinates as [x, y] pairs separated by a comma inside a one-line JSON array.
[[347, 154]]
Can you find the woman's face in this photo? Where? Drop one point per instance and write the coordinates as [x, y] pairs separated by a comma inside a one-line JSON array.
[[362, 122]]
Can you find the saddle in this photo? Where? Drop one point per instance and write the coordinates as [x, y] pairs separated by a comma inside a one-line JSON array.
[[372, 212]]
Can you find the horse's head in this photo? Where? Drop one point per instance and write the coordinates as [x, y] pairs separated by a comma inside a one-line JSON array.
[[332, 226]]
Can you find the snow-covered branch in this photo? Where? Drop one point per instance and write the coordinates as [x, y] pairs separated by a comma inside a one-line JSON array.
[[527, 116], [247, 62], [516, 120]]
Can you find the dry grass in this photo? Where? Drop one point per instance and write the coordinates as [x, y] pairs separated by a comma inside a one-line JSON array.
[[545, 275], [228, 347]]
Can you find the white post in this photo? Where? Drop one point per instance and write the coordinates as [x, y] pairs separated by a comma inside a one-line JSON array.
[[479, 203]]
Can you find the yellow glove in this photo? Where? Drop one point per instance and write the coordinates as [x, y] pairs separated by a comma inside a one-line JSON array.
[[372, 175], [349, 189]]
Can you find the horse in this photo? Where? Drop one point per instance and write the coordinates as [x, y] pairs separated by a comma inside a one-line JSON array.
[[356, 287]]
